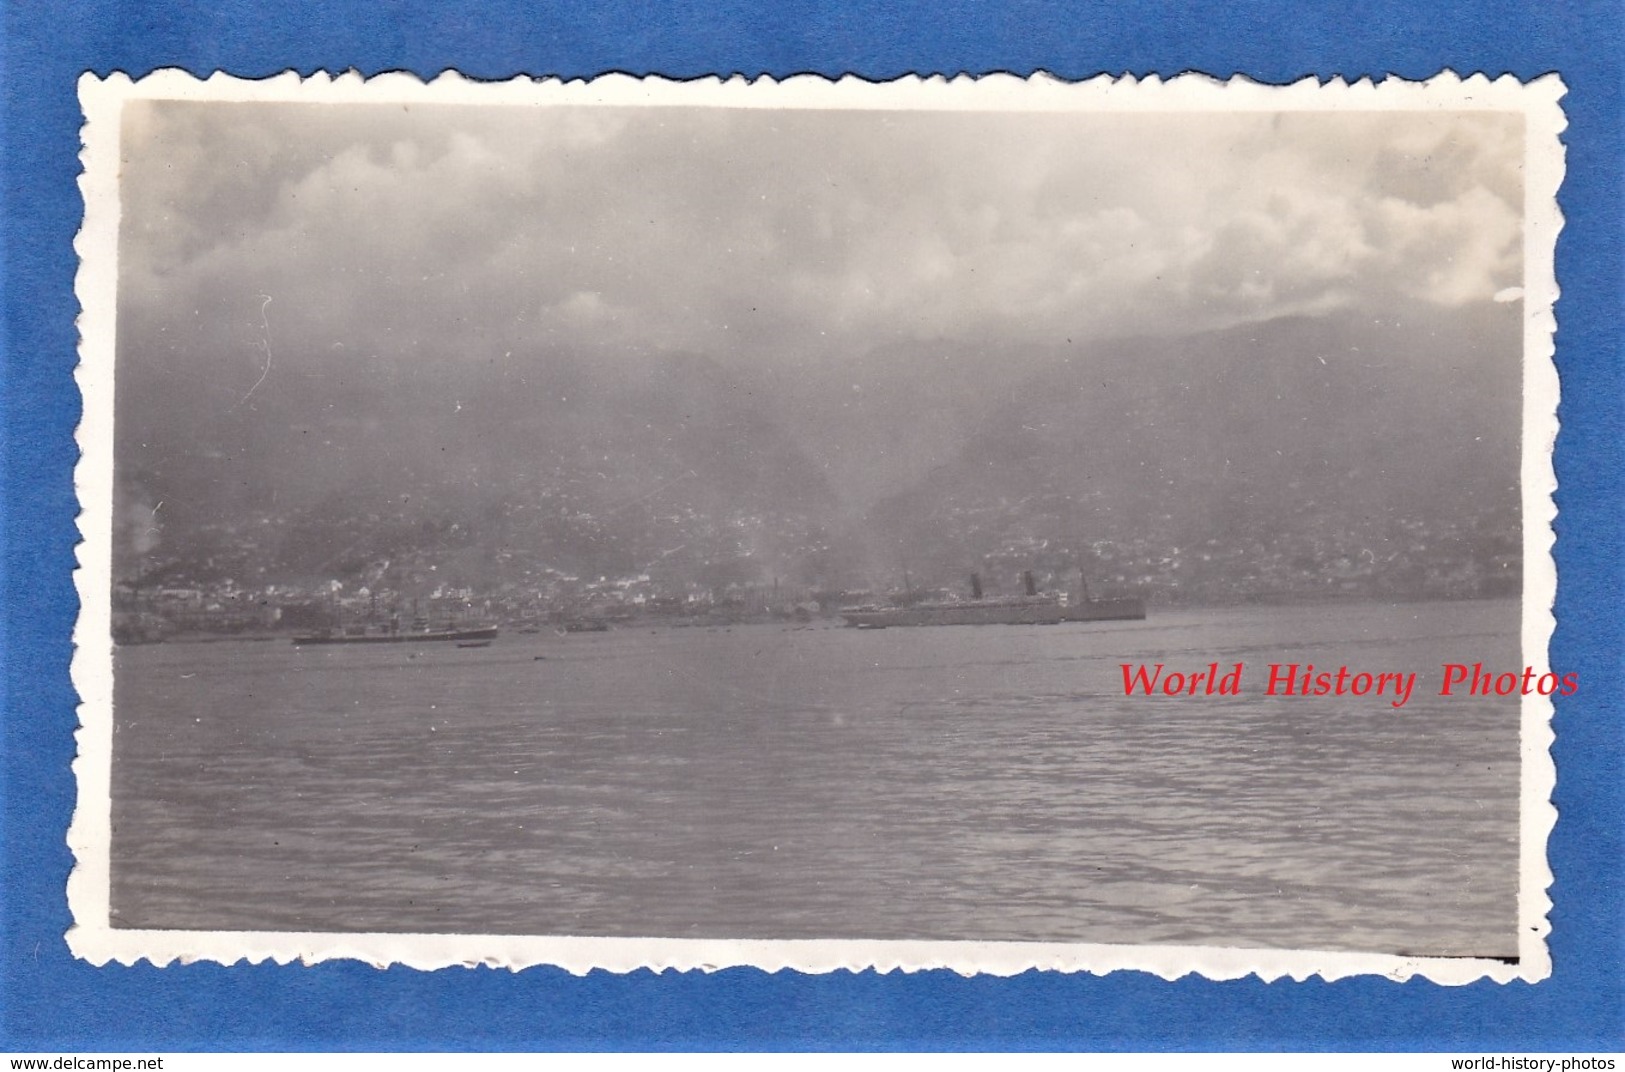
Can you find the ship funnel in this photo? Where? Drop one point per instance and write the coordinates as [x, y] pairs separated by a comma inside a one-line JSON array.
[[976, 586], [1027, 581]]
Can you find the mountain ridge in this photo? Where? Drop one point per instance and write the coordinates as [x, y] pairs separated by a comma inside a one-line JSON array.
[[1302, 432]]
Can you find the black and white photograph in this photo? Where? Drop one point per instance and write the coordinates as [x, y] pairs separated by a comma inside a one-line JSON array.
[[991, 525]]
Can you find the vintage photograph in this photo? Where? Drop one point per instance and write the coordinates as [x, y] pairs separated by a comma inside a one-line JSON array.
[[933, 519]]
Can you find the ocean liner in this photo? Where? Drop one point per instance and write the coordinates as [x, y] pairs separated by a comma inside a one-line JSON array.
[[1029, 609]]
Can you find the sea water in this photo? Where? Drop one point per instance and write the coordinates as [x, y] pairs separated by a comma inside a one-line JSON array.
[[808, 780]]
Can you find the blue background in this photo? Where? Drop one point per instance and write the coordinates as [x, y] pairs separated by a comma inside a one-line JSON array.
[[50, 1001]]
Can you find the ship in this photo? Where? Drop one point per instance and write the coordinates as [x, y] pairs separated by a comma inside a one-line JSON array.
[[1032, 608], [584, 625], [468, 636], [1089, 608]]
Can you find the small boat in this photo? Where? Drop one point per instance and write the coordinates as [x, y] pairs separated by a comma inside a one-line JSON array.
[[585, 625], [481, 633], [473, 643]]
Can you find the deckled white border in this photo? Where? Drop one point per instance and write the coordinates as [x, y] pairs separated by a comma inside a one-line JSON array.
[[92, 936]]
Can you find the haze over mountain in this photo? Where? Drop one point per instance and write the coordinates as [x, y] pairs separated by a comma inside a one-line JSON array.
[[1262, 432], [1344, 423]]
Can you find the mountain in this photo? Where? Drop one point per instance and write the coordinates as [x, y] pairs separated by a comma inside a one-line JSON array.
[[1373, 454], [578, 462], [1285, 434]]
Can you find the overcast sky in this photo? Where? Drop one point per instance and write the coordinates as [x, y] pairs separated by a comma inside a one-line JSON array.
[[456, 233]]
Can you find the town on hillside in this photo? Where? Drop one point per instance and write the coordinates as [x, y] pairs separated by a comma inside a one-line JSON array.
[[237, 589]]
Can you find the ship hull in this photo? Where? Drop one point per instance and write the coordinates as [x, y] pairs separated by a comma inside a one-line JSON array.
[[997, 613], [464, 635], [1125, 609]]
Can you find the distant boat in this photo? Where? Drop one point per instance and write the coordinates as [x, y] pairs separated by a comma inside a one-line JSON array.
[[478, 634], [473, 643], [585, 625], [1030, 609]]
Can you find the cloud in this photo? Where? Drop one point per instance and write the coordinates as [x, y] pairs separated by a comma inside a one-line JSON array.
[[455, 234]]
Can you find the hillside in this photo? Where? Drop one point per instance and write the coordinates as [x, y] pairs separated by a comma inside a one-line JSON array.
[[574, 464], [1371, 455], [1317, 438]]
